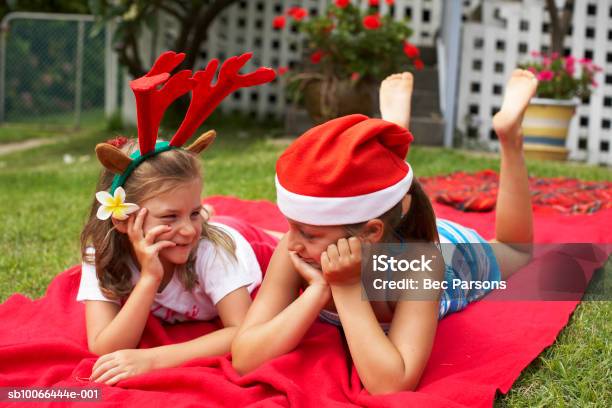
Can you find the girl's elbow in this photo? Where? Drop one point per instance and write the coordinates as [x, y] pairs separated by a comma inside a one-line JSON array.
[[392, 384], [98, 349], [383, 389], [240, 361], [241, 364]]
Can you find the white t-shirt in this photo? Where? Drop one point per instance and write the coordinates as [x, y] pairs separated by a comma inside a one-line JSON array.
[[218, 274]]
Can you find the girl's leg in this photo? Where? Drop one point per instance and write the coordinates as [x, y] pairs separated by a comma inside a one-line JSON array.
[[513, 225], [514, 220], [395, 98]]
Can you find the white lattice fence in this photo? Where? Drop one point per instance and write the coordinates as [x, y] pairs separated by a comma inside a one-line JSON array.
[[508, 33]]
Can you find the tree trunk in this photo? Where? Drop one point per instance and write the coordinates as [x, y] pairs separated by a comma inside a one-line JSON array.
[[559, 23], [199, 35], [193, 33]]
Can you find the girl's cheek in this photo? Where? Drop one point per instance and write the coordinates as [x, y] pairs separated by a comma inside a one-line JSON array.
[[314, 252]]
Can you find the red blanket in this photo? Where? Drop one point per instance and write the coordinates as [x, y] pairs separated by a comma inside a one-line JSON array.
[[476, 352]]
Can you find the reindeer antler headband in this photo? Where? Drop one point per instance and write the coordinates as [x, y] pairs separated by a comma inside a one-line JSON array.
[[151, 103]]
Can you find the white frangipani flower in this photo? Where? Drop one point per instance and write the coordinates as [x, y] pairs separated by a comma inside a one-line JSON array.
[[114, 205]]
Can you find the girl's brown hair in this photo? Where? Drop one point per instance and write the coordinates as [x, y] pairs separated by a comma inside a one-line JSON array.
[[154, 176], [418, 224]]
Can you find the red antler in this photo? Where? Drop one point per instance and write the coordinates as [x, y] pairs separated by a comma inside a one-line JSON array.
[[207, 97], [151, 103]]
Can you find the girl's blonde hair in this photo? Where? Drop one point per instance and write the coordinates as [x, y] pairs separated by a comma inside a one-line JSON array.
[[154, 176], [418, 224]]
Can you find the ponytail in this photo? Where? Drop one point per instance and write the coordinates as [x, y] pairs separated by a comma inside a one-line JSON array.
[[419, 223]]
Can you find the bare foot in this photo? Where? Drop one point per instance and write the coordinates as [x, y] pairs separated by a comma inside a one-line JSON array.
[[395, 98], [507, 122]]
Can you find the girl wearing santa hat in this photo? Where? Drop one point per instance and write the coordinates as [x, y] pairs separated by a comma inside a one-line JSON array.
[[344, 185]]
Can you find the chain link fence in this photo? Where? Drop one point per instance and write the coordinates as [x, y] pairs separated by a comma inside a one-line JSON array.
[[51, 70]]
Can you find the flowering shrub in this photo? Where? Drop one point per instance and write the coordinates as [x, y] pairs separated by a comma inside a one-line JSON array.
[[347, 42], [557, 76]]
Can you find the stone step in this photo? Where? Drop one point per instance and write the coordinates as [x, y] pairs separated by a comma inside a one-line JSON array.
[[426, 79], [427, 131], [297, 121], [425, 102], [429, 55]]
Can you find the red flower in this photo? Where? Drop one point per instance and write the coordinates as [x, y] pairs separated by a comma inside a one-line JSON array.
[[355, 76], [372, 22], [117, 142], [342, 3], [390, 2], [278, 22], [298, 13], [546, 75], [411, 50], [316, 56], [374, 3], [418, 64], [282, 70], [569, 65]]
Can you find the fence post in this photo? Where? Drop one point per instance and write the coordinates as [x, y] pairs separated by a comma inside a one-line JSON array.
[[3, 31], [111, 73], [78, 89], [451, 36]]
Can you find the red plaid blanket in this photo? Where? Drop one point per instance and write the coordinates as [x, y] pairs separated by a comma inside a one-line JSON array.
[[478, 192]]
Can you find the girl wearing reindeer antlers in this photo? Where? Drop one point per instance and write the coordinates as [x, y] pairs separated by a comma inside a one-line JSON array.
[[157, 254]]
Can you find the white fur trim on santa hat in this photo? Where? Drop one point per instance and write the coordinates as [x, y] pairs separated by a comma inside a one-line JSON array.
[[340, 210]]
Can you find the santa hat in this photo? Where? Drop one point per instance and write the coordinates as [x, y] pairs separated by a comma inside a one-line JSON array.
[[345, 171]]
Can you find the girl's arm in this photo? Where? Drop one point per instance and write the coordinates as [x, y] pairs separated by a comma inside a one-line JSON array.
[[392, 363], [232, 309], [278, 318], [110, 328], [114, 367]]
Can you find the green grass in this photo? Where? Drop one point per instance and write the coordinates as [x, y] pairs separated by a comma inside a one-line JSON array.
[[576, 370], [44, 203], [47, 127]]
